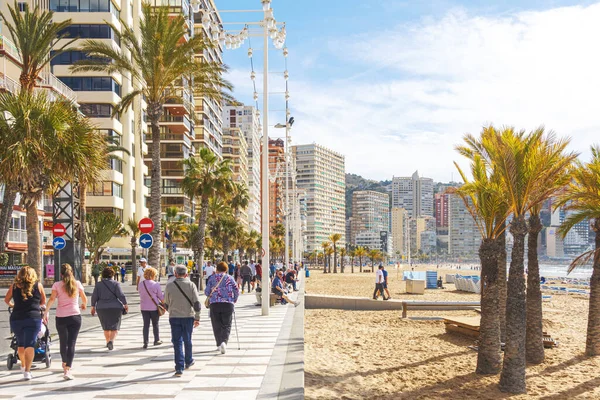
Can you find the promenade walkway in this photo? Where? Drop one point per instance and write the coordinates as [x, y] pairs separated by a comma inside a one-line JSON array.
[[269, 364]]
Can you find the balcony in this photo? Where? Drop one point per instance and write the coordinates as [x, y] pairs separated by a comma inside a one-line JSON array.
[[8, 84], [177, 124], [175, 6], [48, 80], [179, 102], [9, 48], [180, 138], [17, 236]]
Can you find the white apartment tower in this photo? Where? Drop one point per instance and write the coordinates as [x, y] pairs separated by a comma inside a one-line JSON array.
[[464, 237], [414, 194], [370, 212], [321, 174], [247, 119]]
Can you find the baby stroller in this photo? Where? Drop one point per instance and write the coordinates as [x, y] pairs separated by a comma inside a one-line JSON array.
[[42, 347]]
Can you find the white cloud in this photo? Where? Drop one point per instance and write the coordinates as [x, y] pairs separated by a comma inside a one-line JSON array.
[[420, 87]]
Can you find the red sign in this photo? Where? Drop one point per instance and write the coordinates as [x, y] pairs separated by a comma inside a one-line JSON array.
[[146, 225], [47, 225], [58, 230]]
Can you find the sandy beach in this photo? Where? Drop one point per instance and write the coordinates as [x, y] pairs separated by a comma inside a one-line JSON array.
[[379, 355]]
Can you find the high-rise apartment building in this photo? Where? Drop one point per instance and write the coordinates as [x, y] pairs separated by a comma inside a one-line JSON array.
[[235, 148], [414, 194], [441, 210], [276, 182], [464, 237], [370, 213], [246, 118], [399, 220], [321, 174]]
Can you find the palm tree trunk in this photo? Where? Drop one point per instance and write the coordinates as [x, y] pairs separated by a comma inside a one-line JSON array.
[[512, 379], [342, 264], [592, 342], [360, 261], [488, 356], [534, 336], [154, 113], [502, 277], [334, 259], [33, 237], [324, 263], [352, 264], [10, 195], [201, 234], [225, 247]]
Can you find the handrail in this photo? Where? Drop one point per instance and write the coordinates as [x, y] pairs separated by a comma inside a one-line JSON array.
[[48, 79], [10, 48], [9, 84]]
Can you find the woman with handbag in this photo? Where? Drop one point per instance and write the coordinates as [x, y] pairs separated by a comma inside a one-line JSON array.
[[221, 295], [151, 299], [109, 302]]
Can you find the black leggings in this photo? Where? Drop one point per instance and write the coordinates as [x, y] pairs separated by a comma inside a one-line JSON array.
[[68, 329], [147, 316], [220, 317]]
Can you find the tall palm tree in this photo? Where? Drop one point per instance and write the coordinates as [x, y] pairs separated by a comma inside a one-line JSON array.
[[205, 177], [325, 246], [101, 227], [156, 64], [582, 199], [43, 144], [190, 239], [374, 255], [334, 238], [484, 198], [173, 225], [134, 231], [525, 172], [35, 36], [360, 252], [343, 253], [352, 255], [240, 198]]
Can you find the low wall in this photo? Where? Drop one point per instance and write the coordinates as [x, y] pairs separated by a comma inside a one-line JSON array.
[[314, 301]]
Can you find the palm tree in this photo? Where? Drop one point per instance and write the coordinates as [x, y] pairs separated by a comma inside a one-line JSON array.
[[190, 239], [523, 167], [484, 199], [582, 199], [374, 255], [43, 143], [100, 228], [352, 255], [360, 252], [325, 246], [134, 231], [343, 253], [334, 238], [156, 64], [34, 35], [205, 177], [240, 198], [278, 230], [328, 252], [173, 225]]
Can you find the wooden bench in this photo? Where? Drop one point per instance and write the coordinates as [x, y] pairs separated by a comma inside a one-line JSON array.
[[464, 325], [274, 299], [438, 306]]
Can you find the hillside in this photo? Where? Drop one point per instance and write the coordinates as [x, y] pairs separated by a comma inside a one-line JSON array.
[[356, 182]]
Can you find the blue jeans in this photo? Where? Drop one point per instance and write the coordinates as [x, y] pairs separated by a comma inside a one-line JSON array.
[[181, 333]]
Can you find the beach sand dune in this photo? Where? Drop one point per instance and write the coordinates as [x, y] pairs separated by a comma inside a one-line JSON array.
[[378, 355]]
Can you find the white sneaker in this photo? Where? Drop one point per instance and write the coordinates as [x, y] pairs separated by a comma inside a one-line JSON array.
[[68, 376], [27, 376], [223, 348]]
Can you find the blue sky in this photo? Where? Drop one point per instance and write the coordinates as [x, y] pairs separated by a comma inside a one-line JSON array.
[[394, 84]]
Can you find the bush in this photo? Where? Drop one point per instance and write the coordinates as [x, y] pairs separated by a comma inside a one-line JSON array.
[[3, 259]]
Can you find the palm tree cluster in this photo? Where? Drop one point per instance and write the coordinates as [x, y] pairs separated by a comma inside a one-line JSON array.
[[512, 174]]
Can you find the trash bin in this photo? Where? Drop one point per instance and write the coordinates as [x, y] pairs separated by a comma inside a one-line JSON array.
[[196, 279], [307, 273]]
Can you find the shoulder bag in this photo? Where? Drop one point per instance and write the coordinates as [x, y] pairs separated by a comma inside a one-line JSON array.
[[183, 293], [159, 307], [123, 311], [207, 301]]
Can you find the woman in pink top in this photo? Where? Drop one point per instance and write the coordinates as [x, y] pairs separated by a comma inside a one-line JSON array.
[[150, 297], [68, 318]]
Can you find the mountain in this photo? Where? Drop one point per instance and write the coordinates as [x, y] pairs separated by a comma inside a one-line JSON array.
[[356, 182]]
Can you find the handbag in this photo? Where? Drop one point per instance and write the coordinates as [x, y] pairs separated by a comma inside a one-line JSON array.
[[183, 293], [159, 307], [124, 310], [207, 300]]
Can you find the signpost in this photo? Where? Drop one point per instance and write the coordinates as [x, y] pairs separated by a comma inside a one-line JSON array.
[[59, 230], [59, 243], [146, 241], [146, 225]]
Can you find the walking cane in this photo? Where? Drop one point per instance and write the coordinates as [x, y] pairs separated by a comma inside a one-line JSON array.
[[236, 330]]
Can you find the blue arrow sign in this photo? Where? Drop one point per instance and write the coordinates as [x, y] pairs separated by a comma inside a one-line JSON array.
[[146, 241], [59, 243]]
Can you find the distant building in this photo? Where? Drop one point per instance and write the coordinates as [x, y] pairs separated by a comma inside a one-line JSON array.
[[376, 240], [441, 210], [422, 235], [554, 243], [398, 223], [414, 194], [370, 212], [235, 149], [464, 237], [276, 182], [321, 174]]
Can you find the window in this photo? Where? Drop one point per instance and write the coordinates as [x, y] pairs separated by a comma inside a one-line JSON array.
[[116, 165], [97, 110], [89, 31], [22, 7], [71, 57], [92, 84], [84, 6], [117, 190]]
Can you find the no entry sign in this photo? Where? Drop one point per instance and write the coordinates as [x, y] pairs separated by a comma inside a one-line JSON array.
[[146, 225], [58, 230]]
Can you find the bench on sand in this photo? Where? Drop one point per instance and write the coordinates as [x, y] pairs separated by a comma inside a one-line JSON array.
[[465, 325], [438, 306]]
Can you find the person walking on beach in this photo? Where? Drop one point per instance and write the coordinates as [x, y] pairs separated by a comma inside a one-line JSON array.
[[183, 303], [151, 298], [28, 297], [385, 283], [109, 302], [246, 273], [379, 281], [222, 293], [68, 291]]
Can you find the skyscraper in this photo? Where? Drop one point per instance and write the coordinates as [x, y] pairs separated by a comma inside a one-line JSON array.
[[321, 174], [235, 149], [276, 182], [414, 194], [399, 220], [370, 213], [464, 237]]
